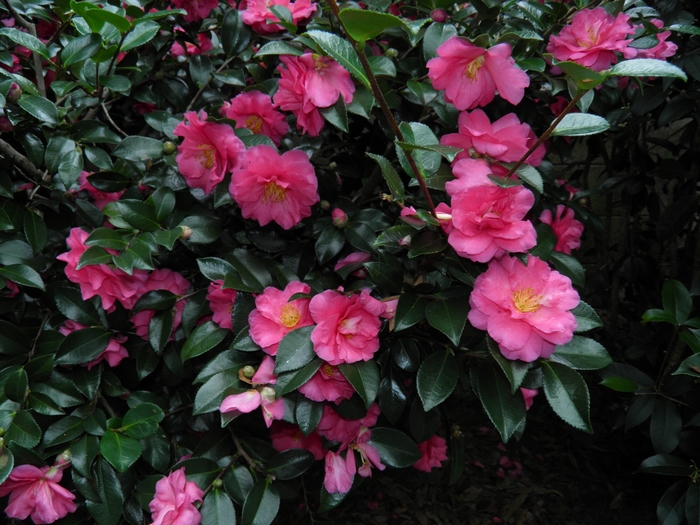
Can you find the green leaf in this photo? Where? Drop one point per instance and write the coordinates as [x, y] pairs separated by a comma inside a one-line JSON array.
[[295, 350], [692, 504], [409, 311], [330, 501], [531, 176], [580, 124], [583, 77], [80, 48], [567, 394], [139, 149], [290, 381], [647, 67], [23, 430], [35, 230], [82, 346], [586, 318], [64, 430], [109, 510], [142, 420], [619, 384], [138, 214], [16, 385], [666, 425], [83, 452], [212, 392], [261, 504], [677, 301], [437, 378], [690, 366], [141, 33], [119, 450], [391, 176], [203, 338], [238, 483], [655, 315], [44, 405], [505, 410], [119, 22], [329, 244], [235, 35], [343, 53], [40, 108], [204, 229], [671, 507], [163, 200], [7, 463], [94, 255], [364, 25], [278, 47], [24, 39], [449, 152], [515, 371], [215, 269], [395, 448], [290, 463], [449, 317], [435, 36], [336, 115], [667, 465], [569, 266], [217, 509], [582, 353], [23, 275], [160, 328], [427, 242], [364, 378], [308, 414], [201, 69], [155, 300]]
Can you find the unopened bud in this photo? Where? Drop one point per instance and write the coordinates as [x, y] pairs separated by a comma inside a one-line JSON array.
[[2, 431], [169, 147], [248, 371], [217, 483], [332, 166], [5, 124], [15, 92], [405, 241], [391, 53], [325, 205], [340, 218], [63, 458], [438, 15], [360, 274], [186, 232], [267, 394]]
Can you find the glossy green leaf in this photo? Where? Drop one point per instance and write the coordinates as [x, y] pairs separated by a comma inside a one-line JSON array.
[[142, 420], [82, 346], [329, 244], [395, 448], [647, 67], [119, 450], [671, 507], [363, 25], [427, 242], [238, 483], [139, 149], [35, 230], [22, 275], [666, 425], [667, 465], [7, 463], [108, 511], [583, 77], [449, 316], [505, 410], [160, 329], [308, 414], [391, 176], [155, 300], [343, 53], [295, 350], [141, 33], [25, 39], [391, 398], [261, 504], [586, 318], [582, 353], [235, 35], [619, 384], [567, 394], [212, 392], [677, 301], [203, 338], [63, 431], [217, 509], [514, 370], [23, 430], [290, 463], [409, 311], [580, 124], [364, 378], [16, 385], [290, 381], [140, 215], [437, 378]]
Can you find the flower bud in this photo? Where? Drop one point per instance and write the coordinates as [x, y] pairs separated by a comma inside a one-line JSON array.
[[438, 15], [15, 92], [391, 53], [5, 124], [63, 458], [267, 394], [169, 148], [2, 431], [405, 241], [332, 165], [325, 205], [248, 371], [340, 218], [217, 483], [186, 232]]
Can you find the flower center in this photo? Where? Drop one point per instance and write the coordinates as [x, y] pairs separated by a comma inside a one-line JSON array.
[[254, 123], [526, 301], [290, 315], [206, 155], [472, 71], [348, 327], [321, 62], [273, 193], [328, 370]]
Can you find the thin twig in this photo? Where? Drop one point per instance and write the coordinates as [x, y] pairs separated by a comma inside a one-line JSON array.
[[242, 452], [104, 108], [22, 162], [204, 86], [38, 68]]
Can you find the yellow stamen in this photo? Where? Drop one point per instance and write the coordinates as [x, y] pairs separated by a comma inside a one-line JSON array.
[[328, 370], [290, 315], [472, 71], [206, 155], [525, 300], [254, 123], [273, 193]]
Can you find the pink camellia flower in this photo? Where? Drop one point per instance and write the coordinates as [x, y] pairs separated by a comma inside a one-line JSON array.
[[488, 220], [369, 456], [99, 198], [275, 315], [356, 258], [529, 396], [203, 45], [273, 187], [113, 354], [339, 217], [327, 384], [335, 428], [339, 472], [161, 279], [5, 124], [13, 289], [347, 328], [221, 303], [173, 501], [257, 14], [505, 140], [567, 229], [525, 309], [196, 10], [110, 284], [284, 436], [660, 51], [36, 492], [255, 111], [310, 82], [470, 75], [433, 451], [592, 39], [208, 152]]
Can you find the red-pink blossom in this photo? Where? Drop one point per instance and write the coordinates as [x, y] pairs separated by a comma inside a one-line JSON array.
[[255, 111], [203, 45], [335, 428], [161, 279], [173, 501], [113, 354], [470, 75], [525, 309], [221, 303], [196, 9], [339, 472], [13, 289], [369, 456], [36, 492], [209, 151], [433, 451], [257, 14], [339, 217], [567, 229], [327, 384], [99, 198], [505, 140], [592, 39], [246, 402], [660, 51], [284, 436], [355, 258], [110, 284], [488, 220], [143, 108], [347, 328], [529, 396], [273, 187]]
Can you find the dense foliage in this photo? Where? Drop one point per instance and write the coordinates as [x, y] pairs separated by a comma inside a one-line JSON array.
[[240, 243]]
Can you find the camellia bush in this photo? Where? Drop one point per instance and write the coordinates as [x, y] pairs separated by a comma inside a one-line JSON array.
[[241, 243]]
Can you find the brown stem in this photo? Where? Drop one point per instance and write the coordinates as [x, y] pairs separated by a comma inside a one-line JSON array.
[[121, 132], [547, 132], [36, 57], [379, 96], [242, 452], [21, 161]]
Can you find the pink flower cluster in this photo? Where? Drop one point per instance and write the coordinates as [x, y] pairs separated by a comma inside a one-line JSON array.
[[36, 493], [257, 14], [99, 198], [173, 501], [161, 279], [255, 111], [310, 82], [221, 303], [196, 9], [567, 229]]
